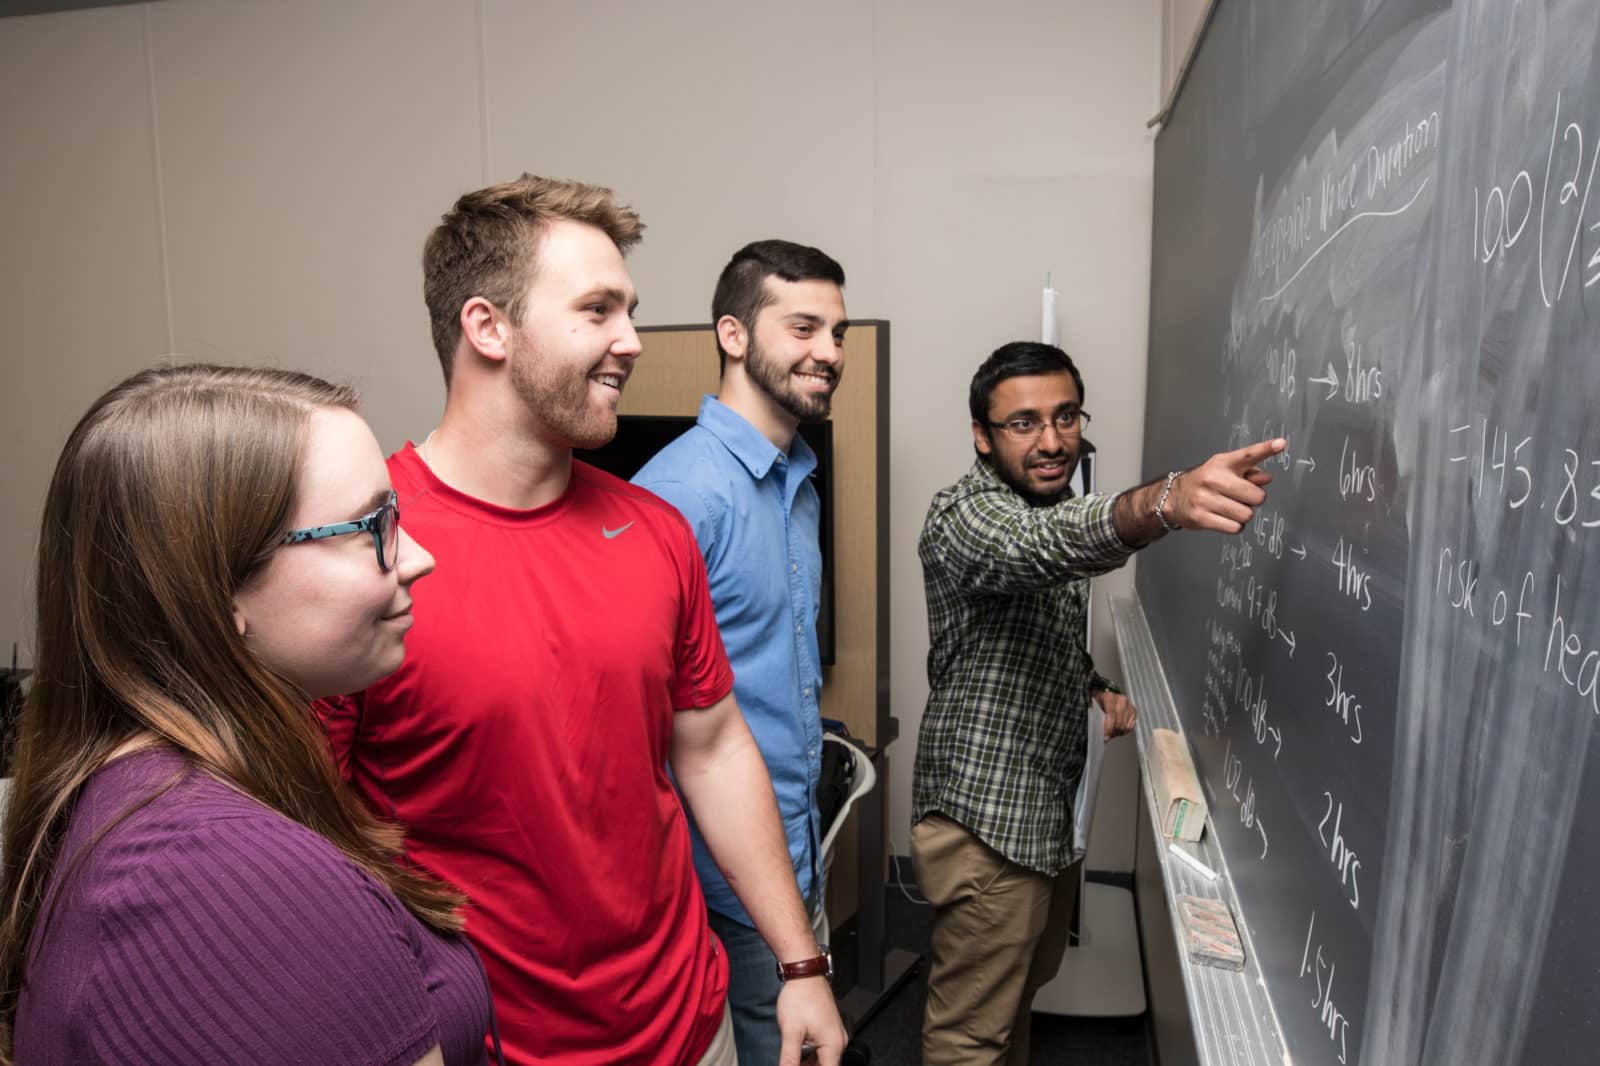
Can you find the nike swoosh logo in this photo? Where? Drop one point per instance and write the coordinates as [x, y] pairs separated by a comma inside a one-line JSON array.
[[612, 534]]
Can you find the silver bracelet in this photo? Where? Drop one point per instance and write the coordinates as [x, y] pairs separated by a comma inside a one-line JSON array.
[[1161, 505]]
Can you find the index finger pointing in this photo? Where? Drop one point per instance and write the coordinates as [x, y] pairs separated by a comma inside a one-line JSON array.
[[1255, 454]]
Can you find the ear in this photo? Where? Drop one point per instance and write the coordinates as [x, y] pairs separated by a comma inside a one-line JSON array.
[[238, 619], [733, 337], [980, 439], [484, 329]]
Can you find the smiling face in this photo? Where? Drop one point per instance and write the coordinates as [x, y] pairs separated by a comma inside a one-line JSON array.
[[322, 613], [795, 353], [574, 349], [1039, 468]]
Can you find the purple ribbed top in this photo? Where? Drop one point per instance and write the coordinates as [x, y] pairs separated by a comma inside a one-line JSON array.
[[206, 928]]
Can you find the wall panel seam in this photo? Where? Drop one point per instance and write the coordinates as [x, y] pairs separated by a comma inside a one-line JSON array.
[[486, 156], [161, 192]]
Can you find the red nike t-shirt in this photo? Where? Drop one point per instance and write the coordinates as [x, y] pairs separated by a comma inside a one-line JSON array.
[[524, 746]]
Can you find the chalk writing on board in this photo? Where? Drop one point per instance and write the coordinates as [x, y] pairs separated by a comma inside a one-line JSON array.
[[1497, 459], [1345, 706], [1268, 527], [1501, 212], [1392, 234], [1567, 503], [1289, 232], [1563, 649], [1224, 639], [1356, 479], [1594, 260], [1354, 580], [1242, 788], [1402, 209], [1221, 676], [1570, 494], [1330, 830], [1570, 655], [1281, 368], [1236, 556], [1461, 582], [1261, 602], [1252, 695], [1363, 379], [1318, 965]]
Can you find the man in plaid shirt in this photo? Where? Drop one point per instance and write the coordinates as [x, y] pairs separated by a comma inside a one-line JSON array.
[[1006, 553]]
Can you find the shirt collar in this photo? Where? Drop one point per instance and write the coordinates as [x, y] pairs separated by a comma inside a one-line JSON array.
[[748, 444], [983, 474]]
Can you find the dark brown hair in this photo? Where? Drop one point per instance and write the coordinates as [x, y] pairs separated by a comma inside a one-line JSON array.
[[742, 288], [1017, 359], [488, 245], [173, 489]]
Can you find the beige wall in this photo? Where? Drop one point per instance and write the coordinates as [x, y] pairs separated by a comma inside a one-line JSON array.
[[252, 182], [1011, 143]]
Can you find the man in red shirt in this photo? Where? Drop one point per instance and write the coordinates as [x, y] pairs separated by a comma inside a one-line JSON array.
[[565, 655]]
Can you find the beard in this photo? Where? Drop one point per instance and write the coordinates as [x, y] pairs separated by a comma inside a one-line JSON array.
[[558, 396], [777, 382], [1015, 475]]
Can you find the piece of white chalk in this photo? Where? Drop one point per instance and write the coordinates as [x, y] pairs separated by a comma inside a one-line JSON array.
[[1193, 863]]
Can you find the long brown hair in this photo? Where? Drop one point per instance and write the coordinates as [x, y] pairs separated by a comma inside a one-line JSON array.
[[173, 489]]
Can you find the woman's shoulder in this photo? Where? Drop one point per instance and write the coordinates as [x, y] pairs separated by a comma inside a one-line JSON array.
[[153, 814], [203, 900]]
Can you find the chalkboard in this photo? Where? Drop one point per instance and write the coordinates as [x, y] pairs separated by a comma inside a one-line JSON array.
[[1377, 233]]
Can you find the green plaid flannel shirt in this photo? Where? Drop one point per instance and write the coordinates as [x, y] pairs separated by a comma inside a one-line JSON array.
[[1001, 747]]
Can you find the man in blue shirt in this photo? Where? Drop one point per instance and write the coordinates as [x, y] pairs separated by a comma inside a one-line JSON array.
[[741, 477]]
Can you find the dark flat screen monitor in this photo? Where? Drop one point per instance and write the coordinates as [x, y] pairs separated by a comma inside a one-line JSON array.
[[638, 439]]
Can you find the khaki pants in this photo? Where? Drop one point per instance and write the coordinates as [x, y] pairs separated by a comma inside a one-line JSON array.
[[722, 1052], [999, 932]]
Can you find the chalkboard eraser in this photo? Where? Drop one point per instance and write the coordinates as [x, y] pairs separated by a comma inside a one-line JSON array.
[[1179, 801], [1210, 936]]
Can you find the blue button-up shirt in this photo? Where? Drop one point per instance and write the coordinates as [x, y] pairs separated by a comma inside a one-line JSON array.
[[754, 512]]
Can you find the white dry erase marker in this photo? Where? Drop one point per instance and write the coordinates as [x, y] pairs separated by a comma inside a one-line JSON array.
[[1193, 863]]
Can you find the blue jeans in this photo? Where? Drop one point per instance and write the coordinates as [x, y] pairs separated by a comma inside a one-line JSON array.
[[753, 988]]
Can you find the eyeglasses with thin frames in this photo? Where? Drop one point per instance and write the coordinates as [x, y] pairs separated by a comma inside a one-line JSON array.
[[383, 524], [1068, 421]]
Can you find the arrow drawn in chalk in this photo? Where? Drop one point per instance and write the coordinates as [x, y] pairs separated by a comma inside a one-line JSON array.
[[1288, 638], [1300, 551], [1332, 381], [1263, 831], [1311, 461]]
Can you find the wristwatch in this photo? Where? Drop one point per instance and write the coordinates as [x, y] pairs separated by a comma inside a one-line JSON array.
[[816, 966], [1100, 684]]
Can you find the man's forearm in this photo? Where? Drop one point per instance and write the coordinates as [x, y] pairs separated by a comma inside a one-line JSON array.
[[1133, 513], [737, 815], [1219, 495]]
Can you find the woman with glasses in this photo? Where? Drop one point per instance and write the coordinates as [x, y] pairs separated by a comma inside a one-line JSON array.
[[185, 879]]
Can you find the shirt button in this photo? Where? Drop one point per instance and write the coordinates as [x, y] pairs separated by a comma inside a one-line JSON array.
[[794, 568]]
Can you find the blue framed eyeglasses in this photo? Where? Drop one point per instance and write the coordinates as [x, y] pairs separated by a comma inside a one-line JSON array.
[[383, 524]]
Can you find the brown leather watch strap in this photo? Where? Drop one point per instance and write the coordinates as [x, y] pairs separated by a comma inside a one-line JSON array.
[[816, 966]]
